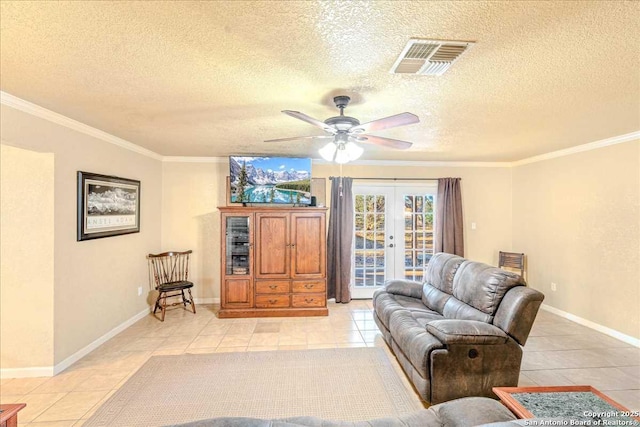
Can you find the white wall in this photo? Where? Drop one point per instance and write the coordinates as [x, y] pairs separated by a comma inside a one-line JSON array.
[[95, 281], [578, 220], [191, 195], [26, 258]]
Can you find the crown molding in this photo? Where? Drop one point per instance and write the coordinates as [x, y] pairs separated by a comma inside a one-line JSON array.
[[38, 111], [580, 148], [224, 160], [187, 159], [41, 112], [427, 163]]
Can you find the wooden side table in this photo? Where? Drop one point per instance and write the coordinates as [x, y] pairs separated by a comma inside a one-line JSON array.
[[9, 414]]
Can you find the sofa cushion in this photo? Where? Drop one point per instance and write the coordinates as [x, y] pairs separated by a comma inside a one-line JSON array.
[[466, 332], [456, 309], [434, 298], [412, 337], [483, 286], [423, 318], [386, 304], [441, 270]]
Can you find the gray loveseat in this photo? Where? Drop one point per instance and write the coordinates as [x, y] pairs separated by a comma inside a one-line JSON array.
[[460, 332], [469, 412]]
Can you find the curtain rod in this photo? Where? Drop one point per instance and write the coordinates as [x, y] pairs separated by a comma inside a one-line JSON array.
[[392, 179]]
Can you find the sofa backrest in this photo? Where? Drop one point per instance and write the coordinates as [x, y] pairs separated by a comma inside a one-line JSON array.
[[438, 281], [461, 289], [483, 286]]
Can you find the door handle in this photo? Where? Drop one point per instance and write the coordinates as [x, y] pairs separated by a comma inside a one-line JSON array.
[[390, 245]]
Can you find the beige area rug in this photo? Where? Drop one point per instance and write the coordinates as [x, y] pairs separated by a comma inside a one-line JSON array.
[[350, 384]]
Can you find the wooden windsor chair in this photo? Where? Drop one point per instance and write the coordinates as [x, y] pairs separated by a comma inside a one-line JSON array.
[[512, 260], [171, 277]]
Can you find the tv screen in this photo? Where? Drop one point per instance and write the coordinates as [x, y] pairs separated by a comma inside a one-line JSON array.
[[284, 180]]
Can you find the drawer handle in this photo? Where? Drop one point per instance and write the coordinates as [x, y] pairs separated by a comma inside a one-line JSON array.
[[273, 286], [273, 301], [308, 300], [308, 286]]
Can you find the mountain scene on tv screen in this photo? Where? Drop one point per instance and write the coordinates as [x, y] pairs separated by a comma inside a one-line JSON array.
[[270, 180]]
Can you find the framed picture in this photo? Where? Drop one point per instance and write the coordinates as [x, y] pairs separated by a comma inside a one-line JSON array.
[[107, 206]]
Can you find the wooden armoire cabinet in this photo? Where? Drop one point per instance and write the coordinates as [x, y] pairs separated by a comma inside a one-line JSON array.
[[273, 262]]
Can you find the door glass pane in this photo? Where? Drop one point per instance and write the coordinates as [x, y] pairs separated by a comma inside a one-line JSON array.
[[370, 204], [418, 232], [237, 245], [419, 200], [408, 240], [369, 241]]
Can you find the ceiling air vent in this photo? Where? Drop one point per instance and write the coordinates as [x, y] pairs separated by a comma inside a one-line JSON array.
[[428, 57]]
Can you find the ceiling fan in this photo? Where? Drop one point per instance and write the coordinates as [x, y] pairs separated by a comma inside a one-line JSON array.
[[347, 131]]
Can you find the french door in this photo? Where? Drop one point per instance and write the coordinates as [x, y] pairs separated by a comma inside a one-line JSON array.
[[393, 234]]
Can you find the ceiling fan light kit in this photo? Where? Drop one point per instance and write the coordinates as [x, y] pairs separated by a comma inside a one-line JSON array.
[[341, 152], [346, 131]]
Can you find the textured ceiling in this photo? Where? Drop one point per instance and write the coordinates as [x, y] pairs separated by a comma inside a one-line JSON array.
[[210, 78]]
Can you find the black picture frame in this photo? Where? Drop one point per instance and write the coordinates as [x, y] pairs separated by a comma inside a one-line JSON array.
[[107, 206]]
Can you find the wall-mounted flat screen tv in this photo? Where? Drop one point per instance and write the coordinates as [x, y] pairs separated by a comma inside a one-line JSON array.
[[284, 180]]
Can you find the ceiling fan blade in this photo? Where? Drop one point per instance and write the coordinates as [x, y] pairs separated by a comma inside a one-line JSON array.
[[297, 138], [401, 119], [301, 116], [385, 142]]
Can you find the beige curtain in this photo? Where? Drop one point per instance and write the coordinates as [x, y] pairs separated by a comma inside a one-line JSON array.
[[448, 233], [339, 239]]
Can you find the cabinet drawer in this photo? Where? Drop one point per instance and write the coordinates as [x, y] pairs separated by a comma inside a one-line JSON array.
[[272, 301], [272, 287], [309, 300], [308, 286]]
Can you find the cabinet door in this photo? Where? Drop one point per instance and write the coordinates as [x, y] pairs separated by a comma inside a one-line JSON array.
[[237, 261], [272, 245], [308, 245], [237, 245], [237, 293]]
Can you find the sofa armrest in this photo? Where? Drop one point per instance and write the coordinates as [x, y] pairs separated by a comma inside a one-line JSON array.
[[517, 311], [407, 288], [454, 331]]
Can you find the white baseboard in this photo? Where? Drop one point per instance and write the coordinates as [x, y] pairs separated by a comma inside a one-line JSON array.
[[42, 371], [49, 371], [207, 300], [595, 326], [97, 343]]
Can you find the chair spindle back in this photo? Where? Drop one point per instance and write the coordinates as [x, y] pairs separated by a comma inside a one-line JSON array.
[[512, 260], [170, 267]]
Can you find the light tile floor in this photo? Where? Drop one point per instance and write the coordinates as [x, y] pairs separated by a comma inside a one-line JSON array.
[[559, 352]]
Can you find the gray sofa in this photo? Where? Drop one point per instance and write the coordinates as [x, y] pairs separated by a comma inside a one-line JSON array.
[[460, 332], [469, 412]]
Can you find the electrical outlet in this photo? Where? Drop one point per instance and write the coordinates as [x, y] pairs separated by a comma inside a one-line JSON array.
[[554, 287], [139, 290], [473, 225]]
